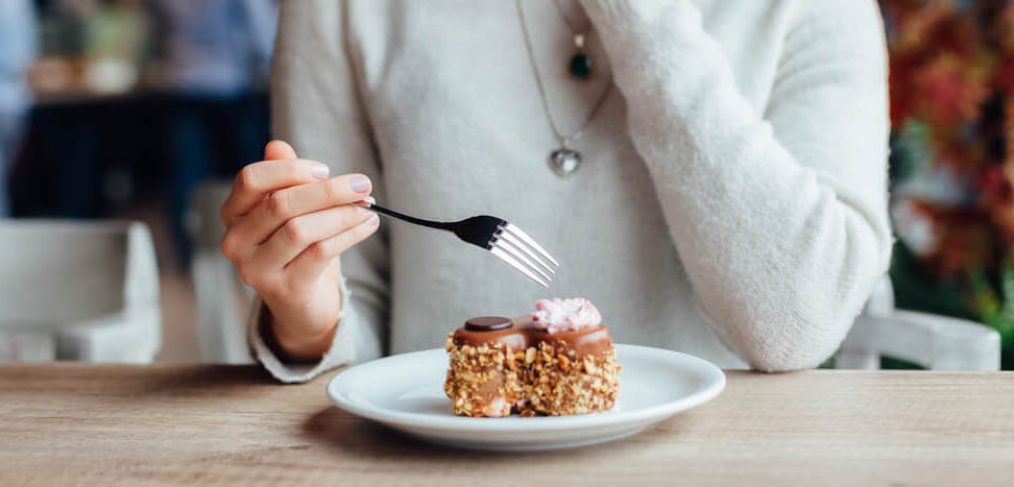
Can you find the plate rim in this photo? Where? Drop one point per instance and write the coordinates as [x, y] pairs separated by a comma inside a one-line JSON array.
[[541, 424]]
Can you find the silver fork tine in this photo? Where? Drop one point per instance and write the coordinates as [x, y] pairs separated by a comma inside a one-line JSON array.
[[504, 256], [512, 228], [511, 249], [518, 244]]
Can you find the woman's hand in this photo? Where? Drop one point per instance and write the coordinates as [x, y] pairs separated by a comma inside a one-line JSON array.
[[287, 224]]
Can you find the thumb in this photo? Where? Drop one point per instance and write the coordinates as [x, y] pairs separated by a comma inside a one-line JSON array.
[[278, 150]]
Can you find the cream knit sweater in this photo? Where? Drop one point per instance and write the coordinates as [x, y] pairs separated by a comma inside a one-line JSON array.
[[731, 204]]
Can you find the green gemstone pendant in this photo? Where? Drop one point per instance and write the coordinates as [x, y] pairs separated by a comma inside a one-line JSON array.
[[580, 66]]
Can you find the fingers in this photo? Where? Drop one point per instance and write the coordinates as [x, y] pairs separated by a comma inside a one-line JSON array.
[[278, 150], [257, 180], [299, 233], [314, 260], [282, 206]]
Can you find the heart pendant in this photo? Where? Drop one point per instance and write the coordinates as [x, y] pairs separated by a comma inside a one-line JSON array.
[[564, 161]]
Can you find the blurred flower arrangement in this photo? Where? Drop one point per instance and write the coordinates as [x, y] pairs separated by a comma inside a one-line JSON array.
[[952, 163]]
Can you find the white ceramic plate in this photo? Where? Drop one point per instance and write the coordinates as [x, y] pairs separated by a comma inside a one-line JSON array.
[[405, 392]]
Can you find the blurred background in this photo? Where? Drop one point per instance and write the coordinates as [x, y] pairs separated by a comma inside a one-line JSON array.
[[122, 109], [952, 163]]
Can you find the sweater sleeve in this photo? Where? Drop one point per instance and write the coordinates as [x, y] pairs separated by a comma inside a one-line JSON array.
[[316, 108], [780, 218]]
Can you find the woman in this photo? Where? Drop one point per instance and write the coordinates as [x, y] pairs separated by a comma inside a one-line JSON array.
[[730, 201]]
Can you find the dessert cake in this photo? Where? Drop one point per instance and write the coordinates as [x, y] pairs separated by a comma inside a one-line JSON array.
[[559, 361]]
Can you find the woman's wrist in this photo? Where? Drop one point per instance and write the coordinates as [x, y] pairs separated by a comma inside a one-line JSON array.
[[294, 339]]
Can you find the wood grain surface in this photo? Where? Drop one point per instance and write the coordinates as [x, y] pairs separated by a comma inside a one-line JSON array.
[[67, 424]]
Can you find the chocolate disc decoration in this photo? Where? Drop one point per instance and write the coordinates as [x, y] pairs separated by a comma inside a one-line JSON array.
[[580, 65], [488, 323]]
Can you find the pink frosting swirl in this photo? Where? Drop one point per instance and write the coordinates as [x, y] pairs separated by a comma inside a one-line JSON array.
[[557, 314]]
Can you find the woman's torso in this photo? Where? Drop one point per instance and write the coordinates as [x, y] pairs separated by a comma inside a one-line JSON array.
[[460, 130]]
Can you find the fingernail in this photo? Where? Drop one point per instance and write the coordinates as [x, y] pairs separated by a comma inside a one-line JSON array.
[[371, 200], [359, 183], [320, 171], [373, 220]]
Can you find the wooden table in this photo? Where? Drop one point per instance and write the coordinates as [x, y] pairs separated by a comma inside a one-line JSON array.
[[130, 425]]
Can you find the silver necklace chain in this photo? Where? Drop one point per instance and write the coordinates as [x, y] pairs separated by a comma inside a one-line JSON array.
[[564, 140]]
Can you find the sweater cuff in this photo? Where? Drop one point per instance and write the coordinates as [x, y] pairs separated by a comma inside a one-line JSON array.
[[341, 351]]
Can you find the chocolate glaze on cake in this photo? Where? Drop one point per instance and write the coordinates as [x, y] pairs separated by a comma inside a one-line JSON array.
[[495, 329], [491, 329], [587, 341]]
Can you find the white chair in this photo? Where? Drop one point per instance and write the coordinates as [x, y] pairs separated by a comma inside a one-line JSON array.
[[931, 341], [223, 301], [82, 291]]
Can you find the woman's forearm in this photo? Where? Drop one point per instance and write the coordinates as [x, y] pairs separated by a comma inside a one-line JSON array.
[[779, 218], [315, 106]]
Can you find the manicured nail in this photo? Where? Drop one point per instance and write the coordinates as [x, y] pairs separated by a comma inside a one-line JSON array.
[[320, 171], [371, 200], [359, 183], [373, 220]]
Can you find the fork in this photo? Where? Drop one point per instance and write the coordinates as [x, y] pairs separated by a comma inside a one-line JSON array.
[[500, 237]]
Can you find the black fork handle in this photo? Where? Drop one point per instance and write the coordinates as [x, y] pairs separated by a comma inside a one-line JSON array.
[[411, 219]]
